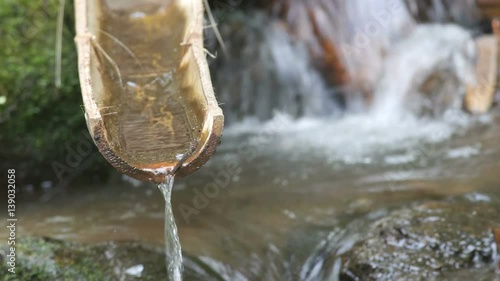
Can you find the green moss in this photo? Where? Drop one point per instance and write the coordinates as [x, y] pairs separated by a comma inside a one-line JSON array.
[[46, 259], [49, 259], [36, 117]]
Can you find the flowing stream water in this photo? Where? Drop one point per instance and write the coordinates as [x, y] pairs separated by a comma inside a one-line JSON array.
[[292, 196]]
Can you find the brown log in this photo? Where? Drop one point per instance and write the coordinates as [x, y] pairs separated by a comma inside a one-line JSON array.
[[490, 8], [328, 59]]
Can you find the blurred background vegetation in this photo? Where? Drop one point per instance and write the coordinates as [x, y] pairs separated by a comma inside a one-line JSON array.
[[38, 119]]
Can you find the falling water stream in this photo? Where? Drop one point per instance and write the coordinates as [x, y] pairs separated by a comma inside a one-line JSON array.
[[173, 252]]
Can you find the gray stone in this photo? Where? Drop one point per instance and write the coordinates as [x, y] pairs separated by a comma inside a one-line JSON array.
[[426, 242]]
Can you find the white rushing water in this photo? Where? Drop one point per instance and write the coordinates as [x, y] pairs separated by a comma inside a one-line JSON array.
[[395, 119], [388, 55], [173, 249], [267, 70], [285, 61], [444, 52], [362, 32], [350, 140]]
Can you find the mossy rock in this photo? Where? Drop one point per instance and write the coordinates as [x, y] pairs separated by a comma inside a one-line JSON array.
[[48, 259]]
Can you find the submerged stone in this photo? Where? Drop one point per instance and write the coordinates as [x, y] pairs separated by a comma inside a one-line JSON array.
[[426, 242]]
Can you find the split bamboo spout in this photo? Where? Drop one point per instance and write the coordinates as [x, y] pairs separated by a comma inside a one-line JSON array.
[[146, 87]]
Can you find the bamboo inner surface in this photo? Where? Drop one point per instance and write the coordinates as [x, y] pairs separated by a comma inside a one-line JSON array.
[[147, 111]]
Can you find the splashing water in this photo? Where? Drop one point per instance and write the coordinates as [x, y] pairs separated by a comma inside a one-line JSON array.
[[172, 244], [319, 57], [434, 51], [267, 70]]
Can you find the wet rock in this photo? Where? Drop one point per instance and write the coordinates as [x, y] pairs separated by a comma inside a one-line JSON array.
[[438, 94], [425, 242], [306, 21], [488, 8], [48, 259], [474, 274], [347, 40], [462, 12], [496, 231], [440, 77]]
